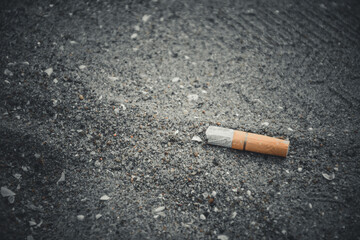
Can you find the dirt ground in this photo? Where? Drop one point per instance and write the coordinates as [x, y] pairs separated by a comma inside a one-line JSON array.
[[100, 100]]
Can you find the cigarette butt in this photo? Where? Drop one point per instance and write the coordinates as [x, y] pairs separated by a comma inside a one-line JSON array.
[[247, 141]]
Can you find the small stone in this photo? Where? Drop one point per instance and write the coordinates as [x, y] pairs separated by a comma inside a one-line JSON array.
[[80, 217], [29, 237], [193, 97], [11, 199], [113, 78], [62, 178], [82, 67], [145, 18], [222, 237], [37, 155], [5, 192], [49, 71], [137, 28], [233, 215], [248, 192], [329, 177], [133, 36], [202, 217], [55, 81], [159, 209], [104, 198], [175, 79], [17, 175], [162, 214], [24, 168], [310, 129], [310, 205], [196, 139], [81, 97], [300, 169], [98, 216], [265, 124], [290, 129], [7, 72], [32, 223], [73, 42], [97, 163]]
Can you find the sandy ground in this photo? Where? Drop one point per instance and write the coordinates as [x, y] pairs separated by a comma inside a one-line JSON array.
[[99, 101]]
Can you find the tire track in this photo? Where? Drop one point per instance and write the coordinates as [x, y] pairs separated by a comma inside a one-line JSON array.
[[244, 30], [340, 19], [270, 28], [259, 31], [285, 20], [311, 35], [324, 25], [290, 37]]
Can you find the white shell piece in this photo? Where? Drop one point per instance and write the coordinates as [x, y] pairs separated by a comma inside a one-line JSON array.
[[220, 136]]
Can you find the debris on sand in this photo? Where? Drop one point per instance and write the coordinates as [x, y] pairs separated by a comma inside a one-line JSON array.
[[196, 139], [329, 177]]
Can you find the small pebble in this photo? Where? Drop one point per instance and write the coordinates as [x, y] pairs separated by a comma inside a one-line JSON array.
[[49, 71], [80, 217], [290, 129], [175, 79], [81, 97], [193, 97], [104, 198], [265, 124], [248, 192], [196, 139], [98, 216], [7, 72], [17, 175], [82, 67], [222, 237], [5, 192], [113, 78], [159, 209], [133, 36], [300, 169], [32, 223], [145, 18], [55, 80], [62, 178], [329, 177], [137, 28], [202, 217]]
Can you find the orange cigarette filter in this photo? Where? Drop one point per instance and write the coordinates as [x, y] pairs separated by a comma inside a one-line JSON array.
[[247, 141]]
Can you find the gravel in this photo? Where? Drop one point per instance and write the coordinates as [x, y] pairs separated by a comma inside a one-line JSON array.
[[123, 125]]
